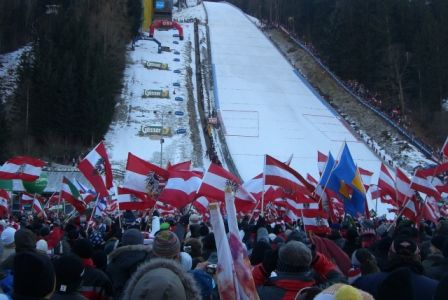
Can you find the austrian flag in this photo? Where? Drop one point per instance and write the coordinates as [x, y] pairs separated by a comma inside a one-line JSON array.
[[128, 201], [38, 208], [180, 190], [22, 167], [142, 178], [279, 174], [214, 183], [97, 169], [4, 200]]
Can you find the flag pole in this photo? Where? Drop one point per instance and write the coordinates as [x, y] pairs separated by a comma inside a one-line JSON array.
[[264, 181], [91, 215], [60, 195], [331, 172], [118, 205], [48, 201], [253, 210]]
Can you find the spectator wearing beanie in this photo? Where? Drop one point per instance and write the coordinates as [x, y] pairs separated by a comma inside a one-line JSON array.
[[34, 276], [42, 247], [440, 268], [363, 263], [161, 279], [296, 268], [7, 238], [166, 245], [124, 260], [69, 271], [24, 240], [435, 251], [95, 283], [403, 255]]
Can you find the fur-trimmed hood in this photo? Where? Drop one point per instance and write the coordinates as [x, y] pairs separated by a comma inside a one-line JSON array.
[[161, 279]]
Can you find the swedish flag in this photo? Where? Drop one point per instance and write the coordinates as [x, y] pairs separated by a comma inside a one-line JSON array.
[[347, 171], [350, 186]]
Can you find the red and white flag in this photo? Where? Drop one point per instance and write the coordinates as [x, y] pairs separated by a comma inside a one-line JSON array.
[[182, 166], [143, 178], [434, 171], [321, 162], [201, 204], [37, 207], [336, 209], [128, 201], [430, 210], [386, 183], [70, 193], [424, 185], [290, 217], [412, 209], [166, 210], [4, 202], [440, 186], [311, 180], [366, 177], [213, 185], [26, 198], [97, 169], [315, 220], [180, 189], [279, 174], [403, 185], [255, 186], [22, 167]]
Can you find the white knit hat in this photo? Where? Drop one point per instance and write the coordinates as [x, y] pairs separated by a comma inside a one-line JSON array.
[[42, 246], [8, 236], [186, 261]]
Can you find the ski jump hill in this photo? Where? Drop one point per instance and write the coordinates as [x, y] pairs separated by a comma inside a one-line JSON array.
[[265, 106]]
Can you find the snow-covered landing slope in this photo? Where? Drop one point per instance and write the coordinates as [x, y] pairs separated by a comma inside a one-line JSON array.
[[265, 107]]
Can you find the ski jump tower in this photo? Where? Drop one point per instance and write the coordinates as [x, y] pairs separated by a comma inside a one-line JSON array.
[[156, 10]]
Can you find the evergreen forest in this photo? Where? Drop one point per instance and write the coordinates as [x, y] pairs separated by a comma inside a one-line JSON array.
[[70, 79]]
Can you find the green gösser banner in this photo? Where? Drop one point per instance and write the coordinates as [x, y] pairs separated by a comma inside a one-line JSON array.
[[156, 94], [156, 65]]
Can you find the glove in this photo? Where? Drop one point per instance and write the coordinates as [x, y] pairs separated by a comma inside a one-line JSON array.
[[270, 261]]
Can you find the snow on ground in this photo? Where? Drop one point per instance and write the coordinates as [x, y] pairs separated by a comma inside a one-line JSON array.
[[266, 108], [8, 72], [134, 111]]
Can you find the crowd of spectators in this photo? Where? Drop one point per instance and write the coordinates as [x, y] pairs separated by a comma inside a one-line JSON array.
[[153, 257]]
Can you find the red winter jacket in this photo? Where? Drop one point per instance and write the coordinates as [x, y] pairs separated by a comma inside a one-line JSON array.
[[286, 285], [54, 237]]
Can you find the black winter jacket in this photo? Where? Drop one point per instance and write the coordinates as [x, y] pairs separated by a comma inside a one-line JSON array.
[[123, 262]]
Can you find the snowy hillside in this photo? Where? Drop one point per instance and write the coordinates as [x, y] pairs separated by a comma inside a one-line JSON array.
[[136, 113], [265, 107], [8, 72]]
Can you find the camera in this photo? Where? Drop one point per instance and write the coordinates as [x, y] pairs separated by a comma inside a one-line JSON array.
[[187, 249], [211, 268]]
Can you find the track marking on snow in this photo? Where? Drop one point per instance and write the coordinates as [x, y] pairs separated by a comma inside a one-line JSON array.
[[327, 125], [248, 123]]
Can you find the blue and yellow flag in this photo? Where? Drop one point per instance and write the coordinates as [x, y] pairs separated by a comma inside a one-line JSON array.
[[348, 172], [346, 181]]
